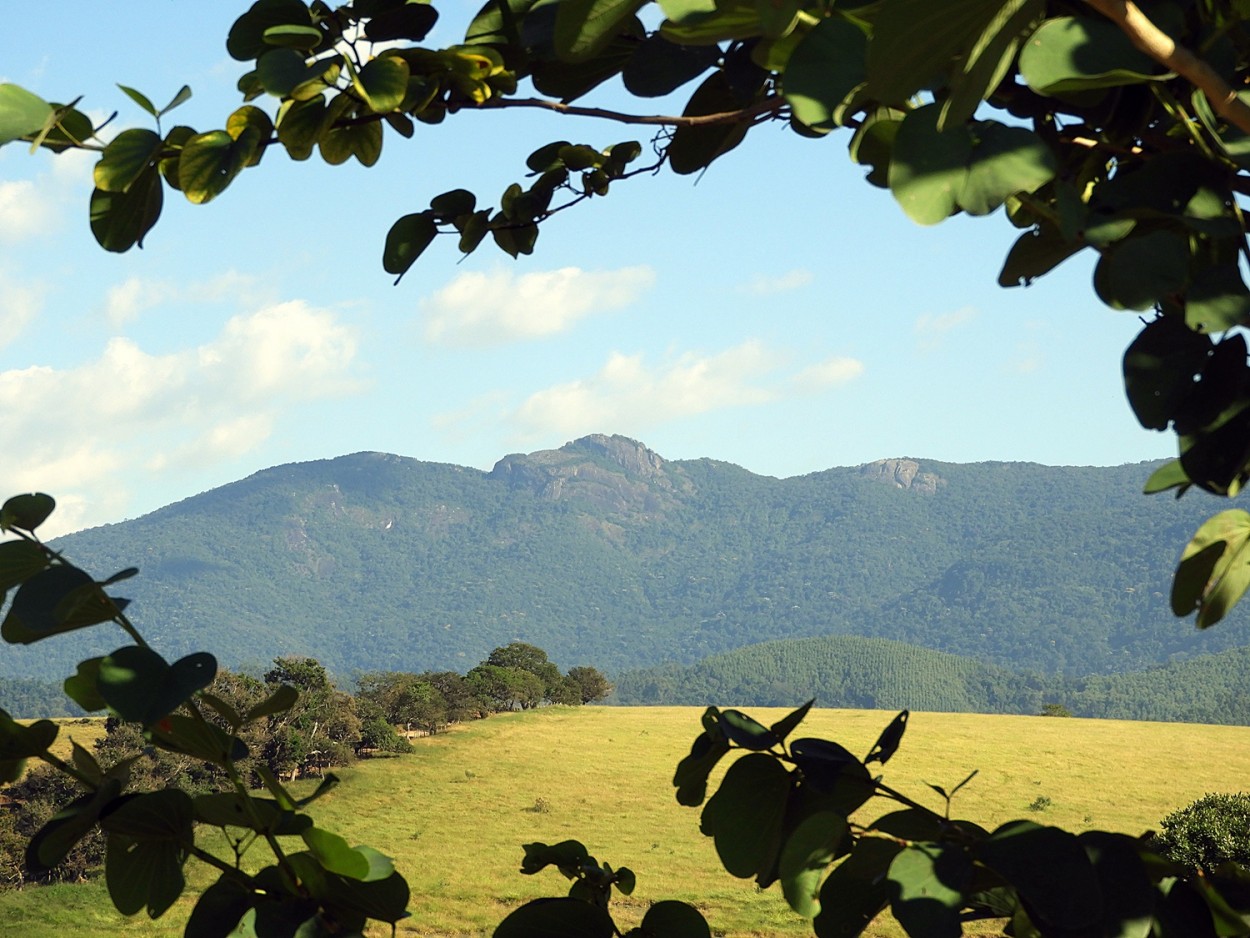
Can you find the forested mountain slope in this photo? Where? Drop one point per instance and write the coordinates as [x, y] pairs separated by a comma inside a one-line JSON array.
[[602, 552], [853, 672]]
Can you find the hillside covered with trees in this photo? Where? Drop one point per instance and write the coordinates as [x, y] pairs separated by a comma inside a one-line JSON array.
[[603, 551]]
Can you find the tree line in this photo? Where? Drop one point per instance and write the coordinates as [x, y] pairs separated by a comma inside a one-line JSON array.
[[324, 727]]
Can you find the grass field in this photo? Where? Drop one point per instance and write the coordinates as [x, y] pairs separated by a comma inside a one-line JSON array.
[[455, 814]]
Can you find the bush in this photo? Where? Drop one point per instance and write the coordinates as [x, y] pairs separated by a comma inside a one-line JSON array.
[[1055, 710], [1213, 830]]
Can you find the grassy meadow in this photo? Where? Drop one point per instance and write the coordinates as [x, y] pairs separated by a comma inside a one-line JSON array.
[[455, 814]]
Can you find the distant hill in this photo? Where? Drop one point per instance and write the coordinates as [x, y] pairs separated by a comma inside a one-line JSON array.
[[859, 673], [602, 552]]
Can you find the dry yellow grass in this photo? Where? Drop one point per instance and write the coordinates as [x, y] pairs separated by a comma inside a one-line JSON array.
[[455, 814]]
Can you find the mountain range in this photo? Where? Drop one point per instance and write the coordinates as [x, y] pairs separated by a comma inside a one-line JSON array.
[[602, 552]]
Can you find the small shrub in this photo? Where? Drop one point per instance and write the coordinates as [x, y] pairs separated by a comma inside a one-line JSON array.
[[1214, 829], [1040, 803], [1054, 710], [541, 806]]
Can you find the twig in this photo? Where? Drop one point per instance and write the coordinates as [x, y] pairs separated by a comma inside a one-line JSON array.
[[767, 107], [1157, 44]]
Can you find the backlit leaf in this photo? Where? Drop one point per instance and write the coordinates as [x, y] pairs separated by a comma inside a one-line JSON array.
[[744, 816], [1214, 569], [121, 220], [21, 112], [406, 241], [825, 67], [26, 512], [1079, 53], [584, 27], [928, 169]]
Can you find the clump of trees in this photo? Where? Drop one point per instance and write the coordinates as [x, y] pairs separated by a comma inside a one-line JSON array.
[[517, 676], [1208, 833], [322, 728]]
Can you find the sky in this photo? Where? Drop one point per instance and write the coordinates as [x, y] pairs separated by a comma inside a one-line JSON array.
[[776, 312]]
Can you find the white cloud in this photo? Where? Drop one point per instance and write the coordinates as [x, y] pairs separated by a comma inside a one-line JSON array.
[[128, 299], [20, 303], [481, 309], [829, 373], [25, 211], [931, 328], [791, 280], [94, 431], [627, 395]]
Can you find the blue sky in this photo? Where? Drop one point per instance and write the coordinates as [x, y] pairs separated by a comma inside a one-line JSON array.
[[778, 312]]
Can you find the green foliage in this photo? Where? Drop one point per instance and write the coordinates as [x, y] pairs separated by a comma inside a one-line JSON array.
[[144, 810], [1212, 831], [1054, 710]]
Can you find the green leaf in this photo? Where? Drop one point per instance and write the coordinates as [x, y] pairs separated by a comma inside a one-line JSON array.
[[1168, 476], [406, 241], [1214, 569], [361, 863], [412, 21], [197, 738], [746, 732], [1082, 53], [292, 36], [1125, 886], [81, 686], [928, 168], [1005, 161], [1217, 299], [67, 827], [125, 159], [1160, 367], [556, 918], [341, 143], [807, 852], [26, 512], [690, 779], [1051, 872], [787, 724], [929, 882], [678, 11], [18, 741], [42, 605], [1036, 252], [825, 67], [299, 126], [19, 561], [584, 28], [857, 890], [744, 816], [888, 742], [86, 763], [453, 203], [247, 36], [384, 899], [516, 239], [279, 701], [140, 99], [121, 220], [140, 686], [219, 909], [21, 113], [659, 67], [140, 874], [670, 918], [383, 83], [167, 814], [988, 61], [694, 148], [568, 856], [182, 97], [1142, 270], [209, 163], [228, 809], [915, 41]]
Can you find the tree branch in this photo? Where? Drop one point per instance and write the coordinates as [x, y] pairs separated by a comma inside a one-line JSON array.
[[1151, 40], [768, 106]]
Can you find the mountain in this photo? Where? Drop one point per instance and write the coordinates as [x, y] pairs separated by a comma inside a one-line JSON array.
[[603, 552], [864, 673]]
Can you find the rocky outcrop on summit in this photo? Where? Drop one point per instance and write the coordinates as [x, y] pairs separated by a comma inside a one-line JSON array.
[[903, 474], [611, 473]]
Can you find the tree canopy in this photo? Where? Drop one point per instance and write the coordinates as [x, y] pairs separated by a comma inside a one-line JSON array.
[[1103, 126]]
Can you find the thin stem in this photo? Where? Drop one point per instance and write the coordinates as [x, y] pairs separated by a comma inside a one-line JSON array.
[[767, 108]]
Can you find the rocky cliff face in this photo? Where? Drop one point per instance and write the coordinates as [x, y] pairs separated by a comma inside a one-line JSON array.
[[612, 473], [903, 474]]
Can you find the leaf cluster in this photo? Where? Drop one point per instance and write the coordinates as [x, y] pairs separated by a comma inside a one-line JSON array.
[[149, 835]]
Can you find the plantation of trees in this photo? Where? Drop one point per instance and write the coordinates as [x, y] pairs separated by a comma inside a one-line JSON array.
[[1102, 126]]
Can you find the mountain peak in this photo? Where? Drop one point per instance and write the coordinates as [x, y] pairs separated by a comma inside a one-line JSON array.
[[630, 455]]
